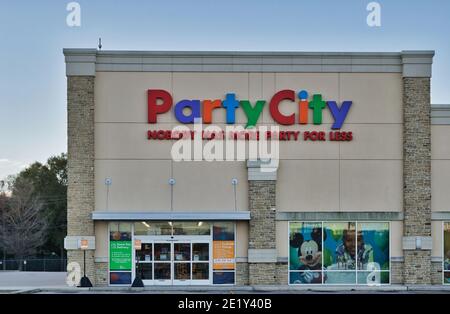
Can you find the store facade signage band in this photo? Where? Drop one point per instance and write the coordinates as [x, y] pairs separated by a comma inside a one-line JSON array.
[[161, 101]]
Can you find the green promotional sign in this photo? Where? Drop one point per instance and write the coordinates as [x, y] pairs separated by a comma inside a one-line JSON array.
[[120, 255]]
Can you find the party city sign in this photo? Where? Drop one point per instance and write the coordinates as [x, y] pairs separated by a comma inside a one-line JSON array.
[[161, 101]]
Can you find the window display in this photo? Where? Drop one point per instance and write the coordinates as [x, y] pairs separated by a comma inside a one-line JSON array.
[[223, 253], [446, 259], [305, 253], [120, 253], [339, 253]]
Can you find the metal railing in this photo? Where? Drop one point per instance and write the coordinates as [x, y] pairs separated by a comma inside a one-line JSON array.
[[34, 264]]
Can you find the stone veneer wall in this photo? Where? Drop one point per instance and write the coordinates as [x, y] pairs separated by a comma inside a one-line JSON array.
[[101, 274], [417, 175], [262, 273], [282, 273], [80, 151], [396, 272], [436, 273], [242, 274], [261, 195]]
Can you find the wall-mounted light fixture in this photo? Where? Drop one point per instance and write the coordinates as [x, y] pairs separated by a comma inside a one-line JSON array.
[[172, 182], [234, 183], [108, 183]]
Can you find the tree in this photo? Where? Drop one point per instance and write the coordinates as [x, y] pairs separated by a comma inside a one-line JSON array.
[[24, 223], [49, 183]]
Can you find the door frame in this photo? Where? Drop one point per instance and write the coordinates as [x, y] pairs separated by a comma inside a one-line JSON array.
[[176, 239]]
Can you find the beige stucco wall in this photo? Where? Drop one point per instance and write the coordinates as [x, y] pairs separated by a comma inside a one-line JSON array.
[[362, 175], [281, 229], [241, 239], [101, 239], [440, 167], [437, 235], [396, 238], [440, 187]]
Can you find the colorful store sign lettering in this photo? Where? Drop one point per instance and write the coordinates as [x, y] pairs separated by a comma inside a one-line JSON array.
[[161, 101]]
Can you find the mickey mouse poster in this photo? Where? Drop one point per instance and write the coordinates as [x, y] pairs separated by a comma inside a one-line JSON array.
[[306, 254]]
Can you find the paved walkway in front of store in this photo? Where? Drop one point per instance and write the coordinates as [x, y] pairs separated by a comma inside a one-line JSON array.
[[392, 289], [54, 282]]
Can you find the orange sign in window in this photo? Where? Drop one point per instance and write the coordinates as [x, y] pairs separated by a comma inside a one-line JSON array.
[[223, 255]]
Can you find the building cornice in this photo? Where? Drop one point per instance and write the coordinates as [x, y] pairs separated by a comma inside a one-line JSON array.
[[440, 114], [88, 61]]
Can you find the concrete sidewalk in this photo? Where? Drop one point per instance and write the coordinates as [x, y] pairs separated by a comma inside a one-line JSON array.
[[54, 282], [392, 289]]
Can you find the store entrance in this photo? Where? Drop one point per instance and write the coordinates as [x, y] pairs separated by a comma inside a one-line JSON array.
[[174, 260]]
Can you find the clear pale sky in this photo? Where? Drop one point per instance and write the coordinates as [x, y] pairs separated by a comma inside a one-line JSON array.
[[33, 34]]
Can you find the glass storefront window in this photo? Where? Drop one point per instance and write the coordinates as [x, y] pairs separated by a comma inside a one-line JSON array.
[[145, 253], [373, 252], [191, 228], [162, 271], [223, 278], [157, 228], [223, 231], [200, 252], [339, 253], [182, 271], [200, 271], [146, 271], [162, 252], [339, 246], [152, 228], [120, 253], [224, 253], [182, 251], [305, 241]]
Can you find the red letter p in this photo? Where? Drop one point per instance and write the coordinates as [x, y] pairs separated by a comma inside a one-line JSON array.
[[153, 108]]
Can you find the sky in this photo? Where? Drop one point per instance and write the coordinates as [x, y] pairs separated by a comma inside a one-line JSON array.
[[33, 33]]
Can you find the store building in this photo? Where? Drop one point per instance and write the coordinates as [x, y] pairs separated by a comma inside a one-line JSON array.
[[360, 194]]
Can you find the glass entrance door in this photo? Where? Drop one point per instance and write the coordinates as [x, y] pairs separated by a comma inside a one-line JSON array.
[[201, 267], [162, 274], [174, 262], [181, 263]]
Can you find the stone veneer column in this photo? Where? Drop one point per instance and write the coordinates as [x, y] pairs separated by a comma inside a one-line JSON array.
[[80, 193], [262, 253], [417, 168]]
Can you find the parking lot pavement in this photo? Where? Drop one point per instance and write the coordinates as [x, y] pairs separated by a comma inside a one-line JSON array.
[[54, 282], [18, 280]]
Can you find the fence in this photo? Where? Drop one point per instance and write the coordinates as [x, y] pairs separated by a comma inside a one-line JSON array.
[[34, 264]]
